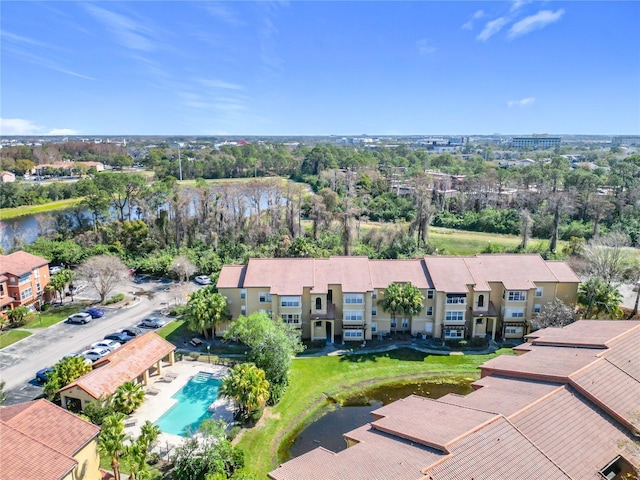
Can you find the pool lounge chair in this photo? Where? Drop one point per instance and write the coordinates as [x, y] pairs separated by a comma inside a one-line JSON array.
[[153, 391]]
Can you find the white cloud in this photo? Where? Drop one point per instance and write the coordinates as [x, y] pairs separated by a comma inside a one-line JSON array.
[[214, 83], [491, 28], [224, 13], [524, 102], [20, 126], [534, 22], [476, 16], [128, 33], [425, 47], [518, 4]]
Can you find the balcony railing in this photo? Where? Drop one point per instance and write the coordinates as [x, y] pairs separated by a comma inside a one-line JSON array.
[[352, 323]]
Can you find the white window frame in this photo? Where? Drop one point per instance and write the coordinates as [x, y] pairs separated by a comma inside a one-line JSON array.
[[429, 311], [430, 294], [353, 315], [38, 288], [513, 330], [456, 300], [517, 296], [374, 295], [374, 311], [374, 327], [514, 312], [393, 323], [539, 292], [405, 323], [353, 333], [26, 278], [243, 310], [36, 272], [290, 301], [537, 308], [290, 318], [458, 314], [353, 299], [264, 297], [458, 333], [26, 293], [243, 293]]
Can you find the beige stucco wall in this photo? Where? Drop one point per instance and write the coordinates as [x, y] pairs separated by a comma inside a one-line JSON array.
[[75, 392], [88, 462]]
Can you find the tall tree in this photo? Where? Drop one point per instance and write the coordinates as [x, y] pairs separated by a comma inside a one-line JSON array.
[[64, 372], [599, 298], [182, 268], [128, 397], [391, 301], [205, 310], [111, 441], [103, 273], [247, 385], [555, 314]]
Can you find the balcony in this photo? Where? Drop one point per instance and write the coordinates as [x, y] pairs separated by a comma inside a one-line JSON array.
[[352, 323], [330, 315]]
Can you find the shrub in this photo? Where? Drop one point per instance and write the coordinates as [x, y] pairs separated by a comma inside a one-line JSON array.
[[233, 433], [115, 299], [276, 392], [194, 356], [178, 311]]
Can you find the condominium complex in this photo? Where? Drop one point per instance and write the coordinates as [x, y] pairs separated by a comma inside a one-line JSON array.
[[536, 142], [23, 278], [464, 297], [566, 408]]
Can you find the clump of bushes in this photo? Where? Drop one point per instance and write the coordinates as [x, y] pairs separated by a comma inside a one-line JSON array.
[[115, 299]]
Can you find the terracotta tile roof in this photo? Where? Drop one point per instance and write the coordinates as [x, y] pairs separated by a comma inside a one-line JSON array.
[[553, 364], [377, 456], [43, 431], [498, 451], [284, 276], [351, 272], [232, 276], [18, 263], [428, 421], [386, 272], [562, 271], [586, 333], [126, 363], [449, 274], [502, 395], [576, 435]]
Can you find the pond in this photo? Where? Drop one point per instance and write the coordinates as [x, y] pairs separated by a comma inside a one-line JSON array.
[[356, 411]]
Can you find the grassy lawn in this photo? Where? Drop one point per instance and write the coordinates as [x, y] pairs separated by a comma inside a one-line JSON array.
[[7, 337], [6, 213], [174, 331], [338, 377], [53, 315], [462, 242]]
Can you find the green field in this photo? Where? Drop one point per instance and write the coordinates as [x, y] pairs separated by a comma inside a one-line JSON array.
[[337, 377], [53, 315], [6, 213], [7, 337]]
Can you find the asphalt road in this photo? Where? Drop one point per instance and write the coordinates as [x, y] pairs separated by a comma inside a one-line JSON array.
[[19, 362]]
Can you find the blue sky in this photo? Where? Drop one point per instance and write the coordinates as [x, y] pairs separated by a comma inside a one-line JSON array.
[[319, 67]]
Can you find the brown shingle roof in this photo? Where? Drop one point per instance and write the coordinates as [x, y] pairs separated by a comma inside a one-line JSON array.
[[351, 272], [386, 272], [39, 439], [232, 276], [586, 333], [18, 263], [284, 276], [125, 364], [449, 274]]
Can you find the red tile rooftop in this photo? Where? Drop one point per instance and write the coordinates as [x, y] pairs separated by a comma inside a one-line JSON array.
[[19, 263], [587, 333]]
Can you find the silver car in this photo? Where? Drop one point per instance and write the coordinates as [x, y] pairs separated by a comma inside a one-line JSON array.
[[110, 345], [79, 318], [95, 354], [153, 322]]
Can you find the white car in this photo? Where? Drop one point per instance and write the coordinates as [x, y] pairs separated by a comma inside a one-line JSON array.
[[111, 345], [203, 280], [55, 269], [96, 354]]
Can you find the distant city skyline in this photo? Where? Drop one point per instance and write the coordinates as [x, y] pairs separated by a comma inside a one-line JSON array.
[[319, 68]]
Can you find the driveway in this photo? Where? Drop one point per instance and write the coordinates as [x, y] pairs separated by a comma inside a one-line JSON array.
[[19, 362]]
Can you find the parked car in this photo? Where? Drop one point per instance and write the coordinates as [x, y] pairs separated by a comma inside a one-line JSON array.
[[42, 375], [77, 289], [96, 354], [55, 269], [153, 322], [203, 280], [95, 312], [119, 337], [108, 344], [131, 331], [81, 317]]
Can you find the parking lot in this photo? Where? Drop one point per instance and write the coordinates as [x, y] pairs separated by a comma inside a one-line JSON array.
[[20, 362]]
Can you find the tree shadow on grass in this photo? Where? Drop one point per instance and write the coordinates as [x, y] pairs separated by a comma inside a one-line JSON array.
[[400, 354]]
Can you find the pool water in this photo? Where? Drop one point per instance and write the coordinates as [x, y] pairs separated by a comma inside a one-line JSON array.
[[193, 400]]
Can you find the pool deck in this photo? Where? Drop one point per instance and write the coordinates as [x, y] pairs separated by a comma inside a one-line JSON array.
[[158, 400]]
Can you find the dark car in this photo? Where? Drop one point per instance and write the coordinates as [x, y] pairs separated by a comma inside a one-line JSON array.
[[119, 337], [95, 312], [131, 331], [43, 375]]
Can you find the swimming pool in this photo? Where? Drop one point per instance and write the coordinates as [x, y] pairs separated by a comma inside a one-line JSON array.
[[193, 400]]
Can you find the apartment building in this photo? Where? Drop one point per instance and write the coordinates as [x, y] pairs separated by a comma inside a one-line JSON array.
[[565, 408], [23, 278], [464, 297], [536, 142]]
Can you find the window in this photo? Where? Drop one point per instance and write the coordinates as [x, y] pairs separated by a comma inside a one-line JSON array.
[[456, 299], [290, 318], [38, 287], [430, 294], [265, 297], [318, 324], [36, 273], [478, 321], [26, 278], [539, 292], [354, 298], [26, 293], [453, 333], [243, 294], [405, 323], [243, 309], [517, 296], [290, 301], [352, 334], [353, 315], [537, 307], [393, 323], [374, 327], [513, 330], [515, 312], [374, 311], [454, 316], [481, 300], [374, 295], [318, 303], [429, 311]]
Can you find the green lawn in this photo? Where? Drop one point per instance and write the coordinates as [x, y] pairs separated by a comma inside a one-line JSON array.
[[462, 242], [173, 331], [53, 315], [6, 213], [7, 337], [338, 377]]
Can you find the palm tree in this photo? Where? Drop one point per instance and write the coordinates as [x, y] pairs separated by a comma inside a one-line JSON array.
[[391, 301], [206, 309], [412, 301], [599, 298], [17, 315], [111, 441], [148, 435], [137, 453], [247, 386], [58, 282], [128, 397], [3, 394]]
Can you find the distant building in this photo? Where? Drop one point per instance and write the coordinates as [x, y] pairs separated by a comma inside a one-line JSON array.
[[7, 177], [23, 279], [626, 140], [536, 142]]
